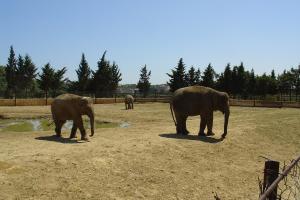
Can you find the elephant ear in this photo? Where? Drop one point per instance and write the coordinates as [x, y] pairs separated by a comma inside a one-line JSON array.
[[83, 101]]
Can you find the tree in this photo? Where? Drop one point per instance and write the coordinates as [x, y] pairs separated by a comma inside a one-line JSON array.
[[83, 74], [177, 77], [25, 74], [144, 84], [2, 80], [58, 81], [193, 76], [10, 74], [234, 80], [20, 74], [272, 84], [208, 77], [241, 79], [46, 79], [224, 81], [116, 77], [251, 83], [102, 78]]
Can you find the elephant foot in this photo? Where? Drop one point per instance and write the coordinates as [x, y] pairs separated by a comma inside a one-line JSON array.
[[85, 139], [210, 134], [72, 137], [58, 135], [201, 134], [185, 132], [224, 135]]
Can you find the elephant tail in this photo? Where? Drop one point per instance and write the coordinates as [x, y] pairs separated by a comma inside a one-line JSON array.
[[172, 113]]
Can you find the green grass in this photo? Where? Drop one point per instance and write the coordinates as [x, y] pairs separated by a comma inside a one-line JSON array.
[[26, 126], [19, 127]]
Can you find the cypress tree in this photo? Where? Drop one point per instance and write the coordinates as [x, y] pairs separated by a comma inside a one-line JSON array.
[[10, 74], [58, 81], [83, 74], [144, 84]]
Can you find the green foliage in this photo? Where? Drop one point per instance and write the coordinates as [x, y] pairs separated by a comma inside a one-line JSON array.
[[193, 76], [178, 77], [208, 77], [46, 78], [3, 84], [10, 74], [144, 83], [83, 74], [106, 78]]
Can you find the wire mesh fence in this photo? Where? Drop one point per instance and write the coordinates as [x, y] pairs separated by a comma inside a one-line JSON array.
[[285, 185]]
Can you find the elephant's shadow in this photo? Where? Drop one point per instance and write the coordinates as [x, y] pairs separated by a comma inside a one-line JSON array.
[[192, 137], [54, 138]]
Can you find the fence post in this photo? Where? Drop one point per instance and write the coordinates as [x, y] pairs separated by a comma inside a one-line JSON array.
[[271, 172]]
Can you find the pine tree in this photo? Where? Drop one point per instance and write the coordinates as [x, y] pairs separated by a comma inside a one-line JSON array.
[[30, 74], [2, 80], [208, 77], [251, 83], [46, 79], [144, 84], [234, 80], [193, 77], [10, 74], [116, 77], [58, 81], [272, 83], [241, 79], [177, 77], [102, 78], [20, 74], [83, 74]]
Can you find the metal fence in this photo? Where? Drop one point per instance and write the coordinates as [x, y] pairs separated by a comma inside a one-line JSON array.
[[284, 185]]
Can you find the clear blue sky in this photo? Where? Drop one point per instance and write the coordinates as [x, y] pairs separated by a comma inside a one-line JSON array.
[[264, 34]]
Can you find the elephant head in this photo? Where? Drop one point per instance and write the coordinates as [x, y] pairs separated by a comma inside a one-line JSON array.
[[86, 108], [222, 104]]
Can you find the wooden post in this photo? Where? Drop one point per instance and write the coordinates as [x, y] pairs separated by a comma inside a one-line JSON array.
[[270, 175]]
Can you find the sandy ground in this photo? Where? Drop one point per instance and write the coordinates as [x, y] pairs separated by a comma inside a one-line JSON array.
[[146, 160]]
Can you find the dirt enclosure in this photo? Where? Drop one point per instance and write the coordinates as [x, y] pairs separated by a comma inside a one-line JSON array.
[[145, 159]]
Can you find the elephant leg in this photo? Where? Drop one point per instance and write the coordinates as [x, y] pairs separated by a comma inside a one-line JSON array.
[[185, 131], [125, 106], [203, 122], [132, 105], [79, 124], [73, 131], [180, 128], [210, 120], [58, 126]]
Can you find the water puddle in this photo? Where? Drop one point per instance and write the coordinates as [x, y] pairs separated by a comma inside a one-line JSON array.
[[27, 125]]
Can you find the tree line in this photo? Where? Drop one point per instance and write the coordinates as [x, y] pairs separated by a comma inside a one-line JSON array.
[[19, 76], [236, 81]]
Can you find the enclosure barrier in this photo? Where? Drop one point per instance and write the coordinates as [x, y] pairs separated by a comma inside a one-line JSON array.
[[280, 186], [233, 102]]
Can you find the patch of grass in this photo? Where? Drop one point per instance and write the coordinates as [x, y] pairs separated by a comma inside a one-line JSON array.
[[19, 127]]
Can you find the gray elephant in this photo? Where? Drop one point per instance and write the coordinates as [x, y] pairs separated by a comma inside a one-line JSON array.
[[128, 101], [199, 100], [72, 107]]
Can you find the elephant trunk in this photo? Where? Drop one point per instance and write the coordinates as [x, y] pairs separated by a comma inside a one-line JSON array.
[[92, 119], [226, 117]]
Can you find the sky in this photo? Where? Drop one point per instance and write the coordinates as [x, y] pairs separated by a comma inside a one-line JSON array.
[[263, 34]]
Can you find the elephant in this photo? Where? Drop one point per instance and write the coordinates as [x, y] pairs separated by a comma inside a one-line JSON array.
[[129, 101], [199, 100], [72, 107]]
